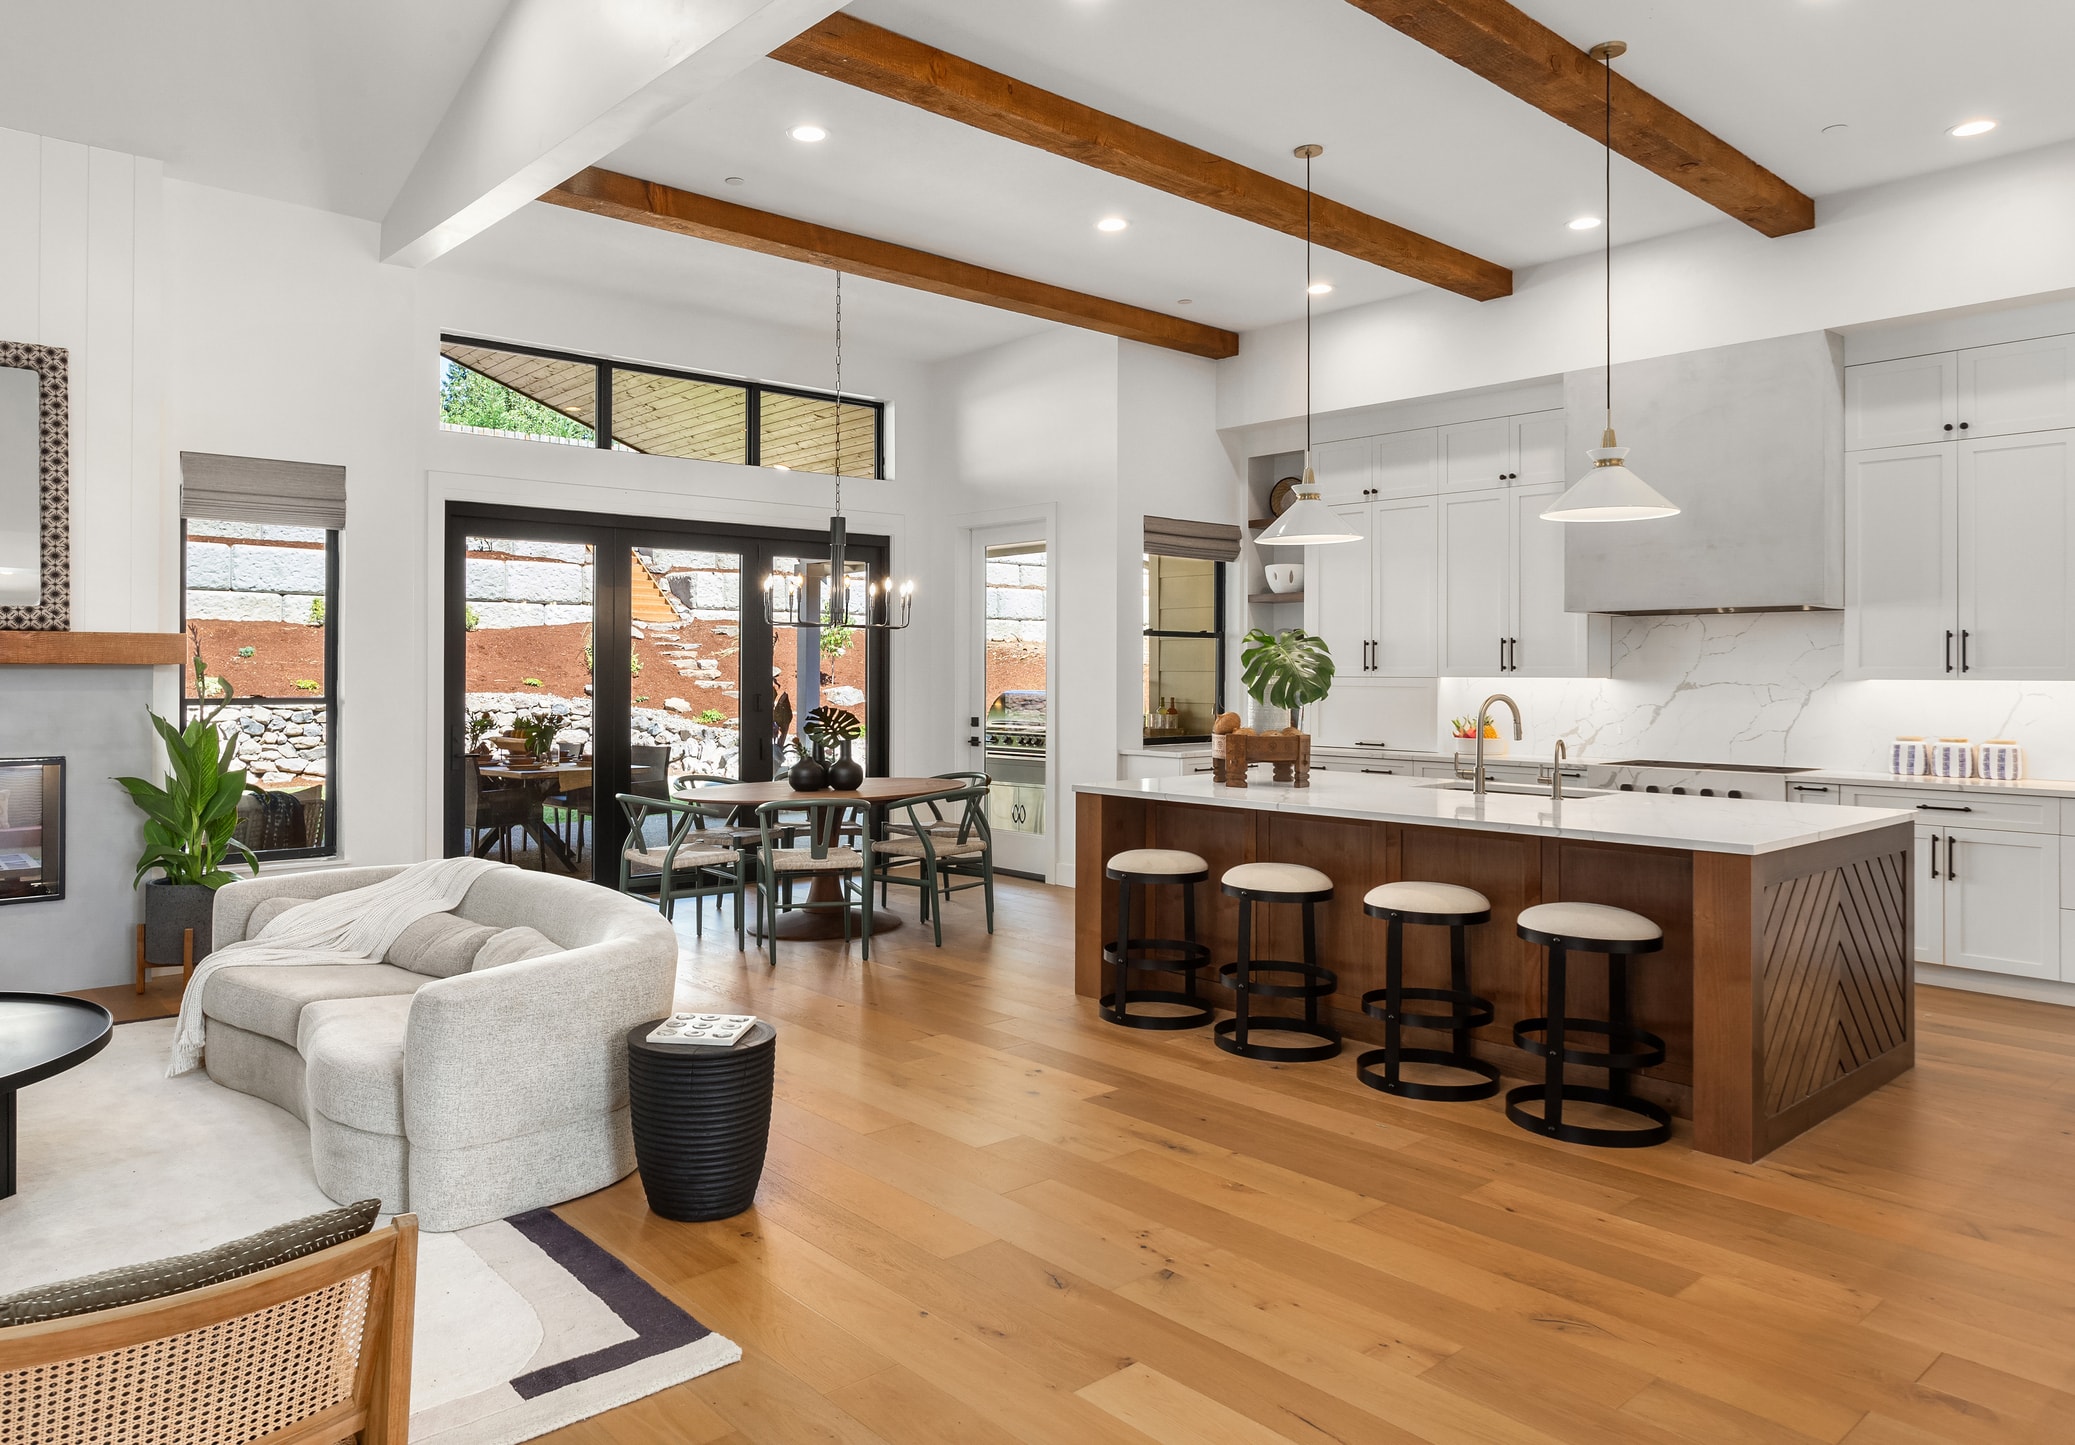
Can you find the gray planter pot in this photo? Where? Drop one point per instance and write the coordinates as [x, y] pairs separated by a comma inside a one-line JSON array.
[[170, 909]]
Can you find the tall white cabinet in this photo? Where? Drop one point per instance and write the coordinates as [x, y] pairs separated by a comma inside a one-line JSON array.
[[1960, 514], [1501, 585]]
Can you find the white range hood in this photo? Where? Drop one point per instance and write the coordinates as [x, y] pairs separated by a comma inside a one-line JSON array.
[[1748, 441]]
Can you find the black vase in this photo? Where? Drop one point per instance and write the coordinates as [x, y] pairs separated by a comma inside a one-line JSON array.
[[846, 774], [808, 776]]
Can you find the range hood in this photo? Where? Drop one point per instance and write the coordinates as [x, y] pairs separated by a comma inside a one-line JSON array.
[[1748, 440]]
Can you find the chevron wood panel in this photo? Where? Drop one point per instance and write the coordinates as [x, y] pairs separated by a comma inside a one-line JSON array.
[[1836, 974]]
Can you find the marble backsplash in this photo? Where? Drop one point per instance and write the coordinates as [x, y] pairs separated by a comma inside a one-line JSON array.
[[1763, 688]]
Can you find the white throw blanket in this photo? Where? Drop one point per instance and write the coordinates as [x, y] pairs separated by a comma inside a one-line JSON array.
[[356, 926]]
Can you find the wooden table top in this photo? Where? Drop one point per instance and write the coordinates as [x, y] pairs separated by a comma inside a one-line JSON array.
[[874, 790], [561, 772]]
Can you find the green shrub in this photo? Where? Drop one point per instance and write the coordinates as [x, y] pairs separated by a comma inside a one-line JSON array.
[[713, 717], [470, 618], [245, 652], [307, 684], [316, 611], [531, 681]]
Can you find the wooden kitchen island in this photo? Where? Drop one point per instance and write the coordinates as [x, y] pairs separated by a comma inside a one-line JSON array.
[[1784, 991]]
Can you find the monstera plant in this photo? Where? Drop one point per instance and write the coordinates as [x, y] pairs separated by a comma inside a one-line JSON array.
[[1289, 669]]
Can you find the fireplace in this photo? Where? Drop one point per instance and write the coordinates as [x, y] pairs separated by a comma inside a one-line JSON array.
[[32, 829]]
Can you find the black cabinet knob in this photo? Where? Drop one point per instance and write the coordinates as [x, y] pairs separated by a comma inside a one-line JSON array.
[[1963, 426], [1948, 426]]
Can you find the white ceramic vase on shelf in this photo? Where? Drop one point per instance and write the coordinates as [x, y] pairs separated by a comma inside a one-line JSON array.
[[1285, 576]]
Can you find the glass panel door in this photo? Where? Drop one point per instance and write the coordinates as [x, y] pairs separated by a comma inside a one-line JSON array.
[[527, 695], [820, 666], [684, 666], [1014, 685]]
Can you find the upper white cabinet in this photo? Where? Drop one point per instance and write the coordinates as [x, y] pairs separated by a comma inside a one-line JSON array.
[[1957, 559], [1502, 590], [2022, 386], [1407, 464], [1343, 470], [1373, 601], [1503, 451]]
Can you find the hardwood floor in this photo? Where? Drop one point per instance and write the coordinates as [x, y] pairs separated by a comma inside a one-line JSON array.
[[988, 1217]]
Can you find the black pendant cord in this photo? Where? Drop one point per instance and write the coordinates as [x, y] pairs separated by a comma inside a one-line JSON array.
[[1307, 311], [1607, 226]]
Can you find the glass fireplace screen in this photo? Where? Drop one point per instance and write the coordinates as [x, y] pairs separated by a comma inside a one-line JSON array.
[[32, 829]]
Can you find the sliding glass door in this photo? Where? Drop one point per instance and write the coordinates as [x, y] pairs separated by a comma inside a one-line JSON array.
[[592, 655]]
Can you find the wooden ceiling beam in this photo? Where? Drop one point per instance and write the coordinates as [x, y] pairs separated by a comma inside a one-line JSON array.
[[1527, 59], [648, 203], [858, 53]]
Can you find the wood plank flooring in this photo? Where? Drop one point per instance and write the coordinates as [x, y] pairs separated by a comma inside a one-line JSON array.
[[989, 1217]]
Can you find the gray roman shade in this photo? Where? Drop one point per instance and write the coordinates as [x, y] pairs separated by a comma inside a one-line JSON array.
[[253, 489], [1210, 541]]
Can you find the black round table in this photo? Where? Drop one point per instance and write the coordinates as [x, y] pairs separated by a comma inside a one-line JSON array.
[[702, 1117], [41, 1034]]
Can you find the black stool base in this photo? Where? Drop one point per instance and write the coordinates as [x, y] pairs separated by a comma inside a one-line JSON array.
[[1203, 1014], [1628, 1048], [1372, 1069], [1227, 1038], [1659, 1130]]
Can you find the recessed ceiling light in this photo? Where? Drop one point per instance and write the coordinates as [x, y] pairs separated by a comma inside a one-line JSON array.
[[1972, 127], [809, 133], [1320, 288], [1585, 223], [1186, 301], [731, 180], [1111, 223], [1838, 129]]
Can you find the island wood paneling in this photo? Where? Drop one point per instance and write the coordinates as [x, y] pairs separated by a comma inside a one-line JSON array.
[[1781, 991]]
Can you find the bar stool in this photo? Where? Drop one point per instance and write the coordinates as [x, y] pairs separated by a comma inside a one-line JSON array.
[[1148, 868], [1441, 905], [1253, 883], [1618, 933]]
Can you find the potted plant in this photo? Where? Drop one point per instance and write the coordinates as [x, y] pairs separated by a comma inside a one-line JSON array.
[[1289, 669], [537, 730], [480, 726], [188, 824]]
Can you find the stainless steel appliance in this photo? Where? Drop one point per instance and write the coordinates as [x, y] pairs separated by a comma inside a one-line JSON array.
[[1015, 740], [1767, 781]]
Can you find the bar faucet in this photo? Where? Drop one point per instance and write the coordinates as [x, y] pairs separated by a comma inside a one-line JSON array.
[[1556, 772], [1483, 712]]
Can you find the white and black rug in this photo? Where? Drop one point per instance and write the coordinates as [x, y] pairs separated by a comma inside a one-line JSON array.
[[524, 1325]]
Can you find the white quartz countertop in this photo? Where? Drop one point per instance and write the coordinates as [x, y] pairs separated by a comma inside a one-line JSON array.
[[2030, 787], [1650, 820]]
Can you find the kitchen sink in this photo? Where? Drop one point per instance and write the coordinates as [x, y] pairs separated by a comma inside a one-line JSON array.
[[1524, 790]]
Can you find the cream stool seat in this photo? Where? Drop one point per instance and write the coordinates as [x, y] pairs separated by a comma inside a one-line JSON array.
[[1584, 924], [1276, 882], [1149, 864], [1439, 899]]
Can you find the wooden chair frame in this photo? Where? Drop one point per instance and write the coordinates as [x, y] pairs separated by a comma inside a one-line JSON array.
[[933, 874], [380, 1408]]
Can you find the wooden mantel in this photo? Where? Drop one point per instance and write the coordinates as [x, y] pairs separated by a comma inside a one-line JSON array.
[[93, 649]]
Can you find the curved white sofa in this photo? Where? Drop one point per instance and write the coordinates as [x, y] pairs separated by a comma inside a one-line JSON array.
[[464, 1098]]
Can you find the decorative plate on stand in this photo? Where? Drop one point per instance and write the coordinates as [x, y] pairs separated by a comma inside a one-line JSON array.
[[1282, 494]]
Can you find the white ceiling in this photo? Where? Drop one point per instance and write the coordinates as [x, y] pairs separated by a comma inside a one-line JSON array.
[[323, 104], [329, 105]]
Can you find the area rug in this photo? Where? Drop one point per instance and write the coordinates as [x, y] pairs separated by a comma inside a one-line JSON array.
[[524, 1325]]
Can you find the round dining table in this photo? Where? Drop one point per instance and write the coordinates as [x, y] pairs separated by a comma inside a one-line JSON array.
[[876, 794]]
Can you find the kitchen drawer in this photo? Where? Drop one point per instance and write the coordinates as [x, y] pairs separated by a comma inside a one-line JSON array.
[[2068, 945], [1961, 810], [1434, 770], [1813, 792]]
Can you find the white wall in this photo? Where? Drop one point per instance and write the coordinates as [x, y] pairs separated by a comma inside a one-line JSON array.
[[1958, 238]]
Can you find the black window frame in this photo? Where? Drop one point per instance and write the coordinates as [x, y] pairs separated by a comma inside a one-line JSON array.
[[329, 848], [1216, 635], [754, 392]]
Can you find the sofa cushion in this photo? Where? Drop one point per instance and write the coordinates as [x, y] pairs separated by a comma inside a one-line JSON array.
[[514, 945], [266, 911], [135, 1283], [439, 945], [269, 999], [352, 1052]]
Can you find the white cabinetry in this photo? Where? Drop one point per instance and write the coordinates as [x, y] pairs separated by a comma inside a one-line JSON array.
[[1502, 451], [2001, 895], [1900, 403], [1343, 470], [1983, 391], [1407, 464], [1373, 601], [1501, 589], [1957, 559]]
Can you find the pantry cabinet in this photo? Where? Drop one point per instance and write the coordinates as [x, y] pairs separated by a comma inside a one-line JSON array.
[[1374, 601], [1957, 559], [1524, 450], [1501, 587]]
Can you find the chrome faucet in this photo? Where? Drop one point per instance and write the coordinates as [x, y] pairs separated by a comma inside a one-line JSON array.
[[1483, 712], [1556, 772]]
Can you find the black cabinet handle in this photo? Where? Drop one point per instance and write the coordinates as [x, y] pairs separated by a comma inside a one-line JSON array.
[[1952, 856], [1379, 770], [1514, 654], [1944, 808], [1948, 649], [1964, 635], [1934, 855], [1963, 427], [1811, 787]]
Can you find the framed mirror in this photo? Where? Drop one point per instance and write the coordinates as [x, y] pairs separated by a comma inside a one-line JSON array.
[[35, 490]]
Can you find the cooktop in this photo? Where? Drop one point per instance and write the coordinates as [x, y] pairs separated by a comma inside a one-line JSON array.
[[1708, 767]]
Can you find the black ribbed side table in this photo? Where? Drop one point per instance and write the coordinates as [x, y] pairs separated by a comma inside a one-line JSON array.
[[701, 1120]]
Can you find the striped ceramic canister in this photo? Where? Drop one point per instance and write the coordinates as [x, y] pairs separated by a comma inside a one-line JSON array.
[[2002, 760], [1952, 758], [1909, 758]]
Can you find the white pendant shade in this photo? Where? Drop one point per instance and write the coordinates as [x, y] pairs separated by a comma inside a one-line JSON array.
[[1610, 492], [1309, 522]]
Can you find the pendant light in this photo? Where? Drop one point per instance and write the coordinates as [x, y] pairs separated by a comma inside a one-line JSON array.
[[1610, 492], [1308, 522], [786, 599]]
